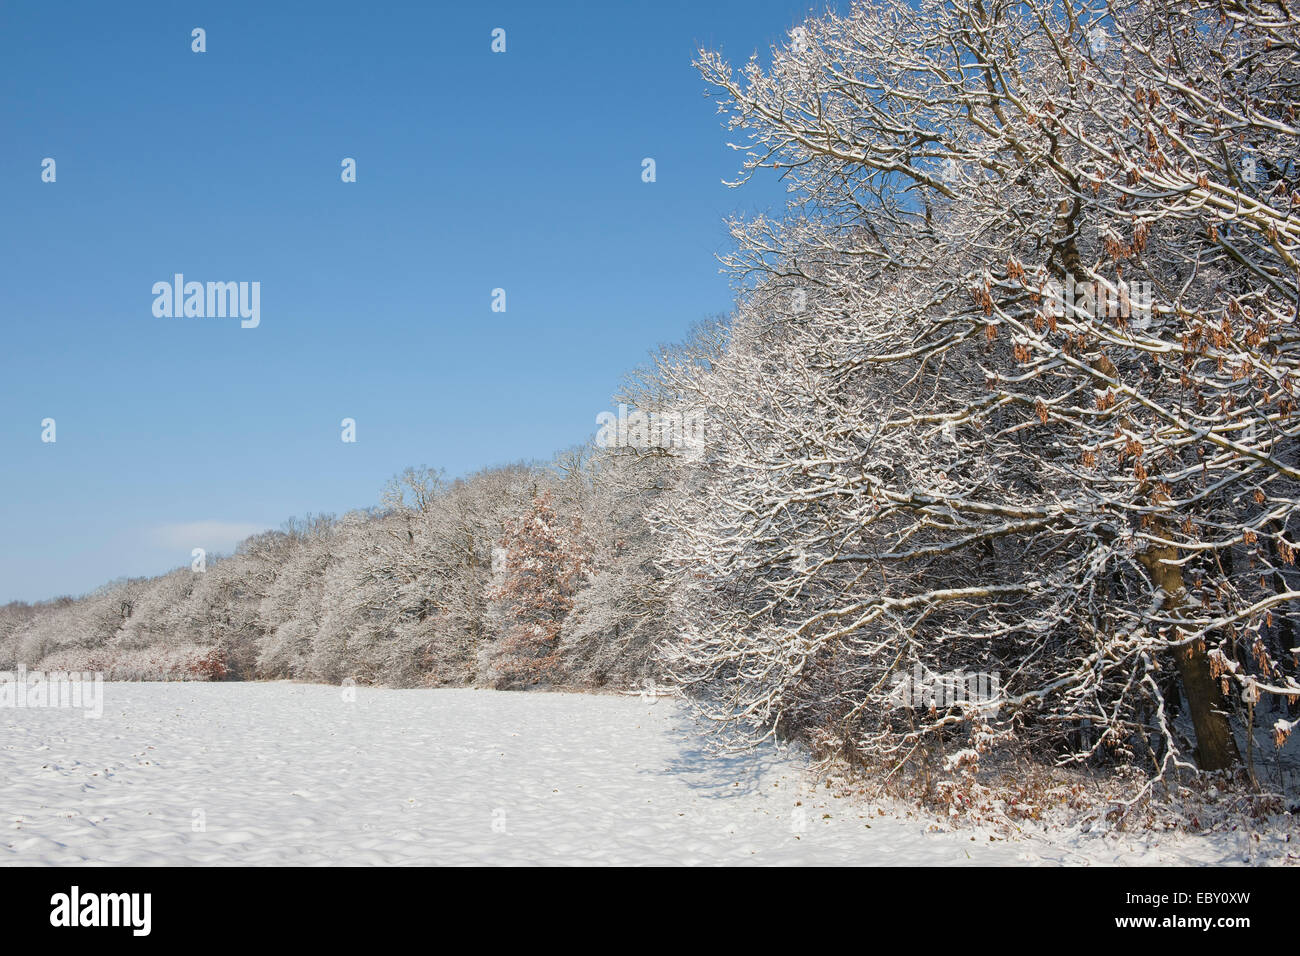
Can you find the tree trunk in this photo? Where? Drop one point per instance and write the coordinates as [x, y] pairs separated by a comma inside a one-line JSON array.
[[1216, 749]]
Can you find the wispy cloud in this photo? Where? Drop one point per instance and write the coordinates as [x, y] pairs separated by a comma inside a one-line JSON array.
[[209, 535]]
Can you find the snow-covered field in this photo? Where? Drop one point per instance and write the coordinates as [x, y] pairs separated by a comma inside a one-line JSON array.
[[282, 773]]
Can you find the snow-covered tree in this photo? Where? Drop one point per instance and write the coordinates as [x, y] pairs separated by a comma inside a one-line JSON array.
[[543, 561], [1011, 388]]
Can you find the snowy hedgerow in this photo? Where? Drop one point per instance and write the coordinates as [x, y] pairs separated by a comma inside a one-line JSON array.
[[922, 455]]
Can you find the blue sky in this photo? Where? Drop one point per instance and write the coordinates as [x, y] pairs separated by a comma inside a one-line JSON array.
[[475, 171]]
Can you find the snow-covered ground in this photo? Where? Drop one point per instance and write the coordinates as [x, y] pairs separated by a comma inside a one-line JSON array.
[[282, 773]]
